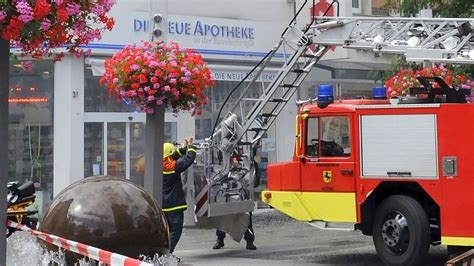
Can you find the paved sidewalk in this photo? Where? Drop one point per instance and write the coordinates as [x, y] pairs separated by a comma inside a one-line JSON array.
[[283, 241]]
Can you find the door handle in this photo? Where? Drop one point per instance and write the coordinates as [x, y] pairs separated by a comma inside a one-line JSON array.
[[346, 171]]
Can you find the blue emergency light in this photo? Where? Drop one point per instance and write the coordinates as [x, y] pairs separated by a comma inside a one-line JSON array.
[[378, 92], [325, 95]]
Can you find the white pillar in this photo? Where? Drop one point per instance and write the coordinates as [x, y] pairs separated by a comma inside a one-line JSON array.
[[68, 122]]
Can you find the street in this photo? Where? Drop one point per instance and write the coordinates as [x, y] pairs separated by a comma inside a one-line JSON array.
[[283, 241]]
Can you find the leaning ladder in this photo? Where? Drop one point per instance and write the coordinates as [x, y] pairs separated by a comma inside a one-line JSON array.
[[296, 57]]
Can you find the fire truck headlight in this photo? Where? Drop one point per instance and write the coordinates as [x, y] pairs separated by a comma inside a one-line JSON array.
[[267, 196]]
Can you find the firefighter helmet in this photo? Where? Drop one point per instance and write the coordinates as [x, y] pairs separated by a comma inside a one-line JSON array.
[[168, 149]]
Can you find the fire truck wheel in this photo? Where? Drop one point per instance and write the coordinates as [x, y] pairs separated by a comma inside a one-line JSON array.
[[401, 231]]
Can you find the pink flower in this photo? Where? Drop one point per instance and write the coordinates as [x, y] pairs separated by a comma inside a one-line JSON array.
[[115, 80], [166, 88], [173, 63], [153, 80], [134, 67], [73, 9], [3, 15], [26, 65], [156, 85], [146, 89], [151, 98], [173, 81], [25, 10], [153, 64], [45, 24]]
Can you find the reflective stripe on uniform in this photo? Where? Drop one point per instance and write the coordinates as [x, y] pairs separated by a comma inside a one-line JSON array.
[[191, 149], [175, 208], [179, 152], [169, 172]]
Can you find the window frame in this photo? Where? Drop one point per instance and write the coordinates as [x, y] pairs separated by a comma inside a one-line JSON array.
[[320, 132], [357, 10]]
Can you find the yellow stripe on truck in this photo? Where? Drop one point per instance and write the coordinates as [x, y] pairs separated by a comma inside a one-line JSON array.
[[457, 241], [311, 206]]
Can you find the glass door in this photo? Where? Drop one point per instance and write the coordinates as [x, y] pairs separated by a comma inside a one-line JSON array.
[[93, 149], [116, 149], [115, 145]]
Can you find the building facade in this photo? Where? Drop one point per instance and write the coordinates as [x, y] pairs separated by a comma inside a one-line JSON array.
[[65, 127]]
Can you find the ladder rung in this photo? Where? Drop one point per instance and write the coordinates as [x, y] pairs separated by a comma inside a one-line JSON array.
[[299, 71], [287, 85], [278, 100], [244, 143], [251, 99], [257, 129], [309, 55], [268, 115]]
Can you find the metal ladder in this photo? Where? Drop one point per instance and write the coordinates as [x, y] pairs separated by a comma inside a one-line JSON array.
[[418, 39], [446, 40], [297, 57]]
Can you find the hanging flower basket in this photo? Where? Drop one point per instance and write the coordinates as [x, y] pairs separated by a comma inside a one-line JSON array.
[[400, 84], [38, 26], [154, 74]]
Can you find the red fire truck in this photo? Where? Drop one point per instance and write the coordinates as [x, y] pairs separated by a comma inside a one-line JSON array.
[[399, 169], [402, 172]]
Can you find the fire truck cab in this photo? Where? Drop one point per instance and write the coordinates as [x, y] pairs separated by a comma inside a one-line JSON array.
[[401, 170]]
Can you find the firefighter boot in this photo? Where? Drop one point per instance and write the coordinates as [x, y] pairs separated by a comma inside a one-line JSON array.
[[219, 244], [250, 246]]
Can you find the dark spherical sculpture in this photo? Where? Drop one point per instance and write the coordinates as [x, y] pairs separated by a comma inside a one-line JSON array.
[[110, 213]]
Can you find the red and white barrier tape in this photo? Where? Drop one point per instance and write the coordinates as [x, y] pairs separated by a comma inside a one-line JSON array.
[[201, 206], [79, 248]]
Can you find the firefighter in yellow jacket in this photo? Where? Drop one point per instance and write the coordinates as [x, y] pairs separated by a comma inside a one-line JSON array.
[[175, 161]]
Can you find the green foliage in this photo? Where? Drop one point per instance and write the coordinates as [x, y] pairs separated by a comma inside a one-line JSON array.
[[441, 8], [398, 63]]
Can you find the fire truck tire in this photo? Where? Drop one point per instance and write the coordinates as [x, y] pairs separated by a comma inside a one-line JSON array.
[[401, 231]]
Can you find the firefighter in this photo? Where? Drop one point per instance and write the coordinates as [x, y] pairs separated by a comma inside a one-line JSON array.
[[175, 161]]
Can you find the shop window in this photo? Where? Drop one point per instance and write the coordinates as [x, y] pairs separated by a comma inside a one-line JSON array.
[[97, 98], [328, 137], [30, 145]]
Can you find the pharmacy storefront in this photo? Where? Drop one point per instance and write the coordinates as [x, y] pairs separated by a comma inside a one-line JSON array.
[[65, 127]]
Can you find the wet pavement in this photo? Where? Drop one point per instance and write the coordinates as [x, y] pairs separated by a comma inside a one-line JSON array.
[[283, 241]]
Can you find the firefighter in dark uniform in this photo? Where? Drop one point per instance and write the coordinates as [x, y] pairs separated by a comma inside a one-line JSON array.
[[175, 161]]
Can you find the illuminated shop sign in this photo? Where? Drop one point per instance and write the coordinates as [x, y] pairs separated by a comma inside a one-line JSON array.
[[28, 100]]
